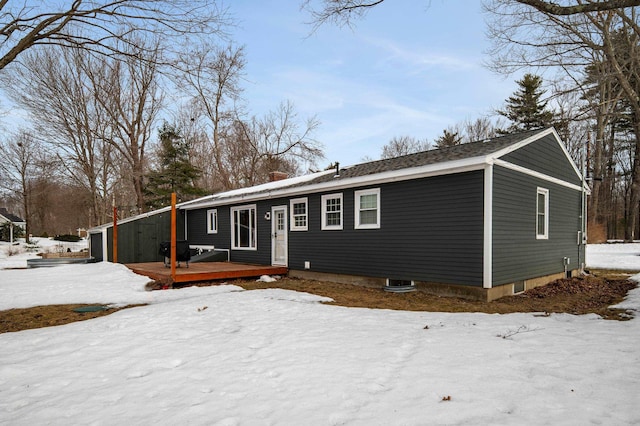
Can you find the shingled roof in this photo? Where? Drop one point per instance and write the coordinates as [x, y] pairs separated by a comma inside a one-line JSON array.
[[479, 149], [433, 156], [10, 217]]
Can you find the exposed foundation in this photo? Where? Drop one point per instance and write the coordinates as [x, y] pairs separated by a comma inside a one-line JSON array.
[[440, 289]]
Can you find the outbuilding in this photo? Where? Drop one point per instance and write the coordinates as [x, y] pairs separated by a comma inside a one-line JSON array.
[[481, 220], [13, 221]]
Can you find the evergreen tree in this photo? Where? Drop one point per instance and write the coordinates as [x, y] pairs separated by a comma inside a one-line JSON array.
[[175, 172], [525, 109], [448, 138]]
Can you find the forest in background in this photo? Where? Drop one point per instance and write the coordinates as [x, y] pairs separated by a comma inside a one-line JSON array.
[[99, 79]]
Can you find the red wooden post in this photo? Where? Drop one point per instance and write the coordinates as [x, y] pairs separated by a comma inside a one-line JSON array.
[[173, 236]]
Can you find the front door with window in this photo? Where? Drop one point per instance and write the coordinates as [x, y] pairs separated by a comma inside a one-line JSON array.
[[279, 235]]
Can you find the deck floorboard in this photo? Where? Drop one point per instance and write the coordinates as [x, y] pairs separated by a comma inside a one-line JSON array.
[[204, 271]]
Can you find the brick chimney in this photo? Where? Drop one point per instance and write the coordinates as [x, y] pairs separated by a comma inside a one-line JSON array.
[[274, 176]]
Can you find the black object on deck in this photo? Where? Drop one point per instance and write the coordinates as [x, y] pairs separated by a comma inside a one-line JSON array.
[[183, 254]]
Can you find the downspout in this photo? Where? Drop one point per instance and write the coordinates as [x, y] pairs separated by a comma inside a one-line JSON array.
[[105, 246], [487, 256], [582, 239]]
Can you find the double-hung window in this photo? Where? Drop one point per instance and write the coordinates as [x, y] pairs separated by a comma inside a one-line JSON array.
[[332, 212], [367, 209], [243, 226], [212, 221], [542, 214], [299, 214]]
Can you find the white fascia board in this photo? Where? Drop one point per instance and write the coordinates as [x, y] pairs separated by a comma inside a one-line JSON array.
[[99, 228], [538, 175], [439, 169], [496, 155]]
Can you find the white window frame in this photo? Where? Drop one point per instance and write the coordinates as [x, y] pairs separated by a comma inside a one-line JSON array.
[[357, 210], [212, 221], [324, 199], [293, 225], [544, 235], [253, 233]]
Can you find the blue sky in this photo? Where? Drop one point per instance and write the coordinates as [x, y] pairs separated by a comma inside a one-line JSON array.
[[410, 67]]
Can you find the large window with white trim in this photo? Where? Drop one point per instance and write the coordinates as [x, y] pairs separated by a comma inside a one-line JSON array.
[[299, 214], [332, 211], [243, 226], [542, 214], [367, 209], [212, 221]]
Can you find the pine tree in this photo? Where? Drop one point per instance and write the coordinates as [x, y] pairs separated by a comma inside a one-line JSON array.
[[448, 138], [175, 172], [525, 109]]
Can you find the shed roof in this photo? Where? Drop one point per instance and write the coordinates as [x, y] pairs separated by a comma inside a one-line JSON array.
[[4, 213]]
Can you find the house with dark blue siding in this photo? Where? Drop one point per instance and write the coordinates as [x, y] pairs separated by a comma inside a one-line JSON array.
[[481, 220], [478, 220]]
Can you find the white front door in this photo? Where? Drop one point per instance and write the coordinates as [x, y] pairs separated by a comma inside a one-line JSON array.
[[279, 235]]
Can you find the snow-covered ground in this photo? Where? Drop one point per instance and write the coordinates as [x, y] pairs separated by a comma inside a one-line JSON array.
[[224, 356]]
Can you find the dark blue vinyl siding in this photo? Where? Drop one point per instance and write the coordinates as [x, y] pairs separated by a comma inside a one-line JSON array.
[[545, 156], [431, 230], [517, 254], [197, 228]]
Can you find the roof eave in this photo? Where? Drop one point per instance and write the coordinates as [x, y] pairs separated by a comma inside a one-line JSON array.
[[438, 169]]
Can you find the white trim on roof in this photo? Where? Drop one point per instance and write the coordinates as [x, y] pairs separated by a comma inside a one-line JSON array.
[[536, 174], [284, 188], [438, 169], [99, 228], [295, 186]]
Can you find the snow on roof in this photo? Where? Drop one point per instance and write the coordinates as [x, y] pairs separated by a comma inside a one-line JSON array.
[[265, 187]]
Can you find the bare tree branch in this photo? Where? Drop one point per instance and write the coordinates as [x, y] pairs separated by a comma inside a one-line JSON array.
[[107, 26], [339, 12], [580, 6]]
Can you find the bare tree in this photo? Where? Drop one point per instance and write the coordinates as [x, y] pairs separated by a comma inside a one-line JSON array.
[[479, 129], [105, 27], [212, 77], [605, 41], [191, 122], [345, 12], [129, 94], [22, 164], [278, 141], [580, 6], [403, 145], [54, 86]]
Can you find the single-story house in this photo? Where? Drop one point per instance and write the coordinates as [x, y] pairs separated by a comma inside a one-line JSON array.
[[482, 219], [6, 217]]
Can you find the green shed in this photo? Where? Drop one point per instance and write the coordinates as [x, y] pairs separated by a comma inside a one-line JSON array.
[[139, 237]]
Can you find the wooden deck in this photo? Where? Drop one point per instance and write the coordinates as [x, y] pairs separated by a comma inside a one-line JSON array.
[[204, 271]]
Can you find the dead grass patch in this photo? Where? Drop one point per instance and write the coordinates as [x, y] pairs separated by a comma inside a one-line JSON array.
[[48, 316], [578, 296]]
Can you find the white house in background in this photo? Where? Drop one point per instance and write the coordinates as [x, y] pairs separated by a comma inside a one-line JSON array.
[[6, 217]]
